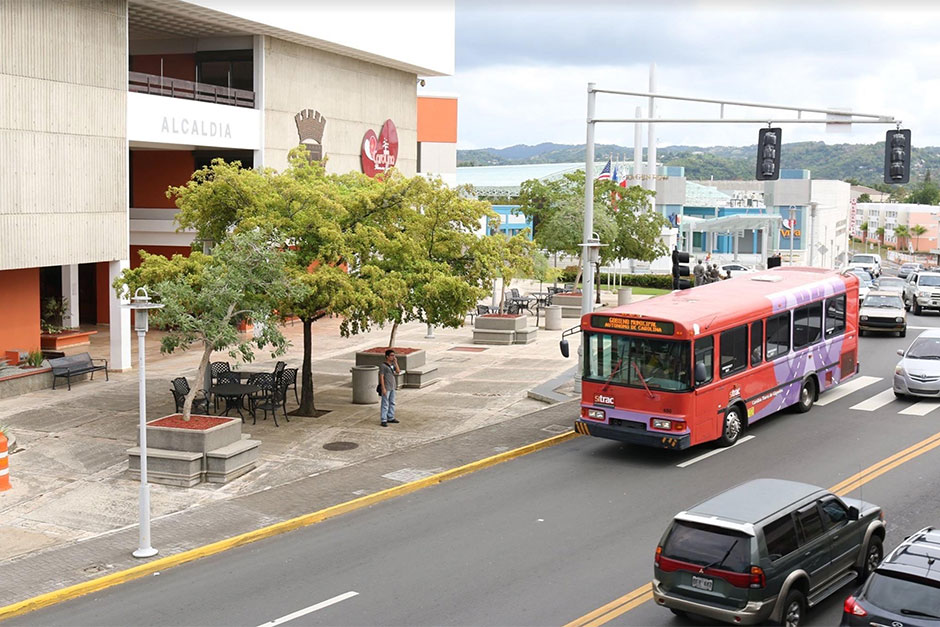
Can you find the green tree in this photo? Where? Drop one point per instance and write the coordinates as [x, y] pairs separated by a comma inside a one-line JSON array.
[[863, 227], [203, 294], [917, 230], [925, 193], [880, 231], [864, 198], [513, 257], [901, 233]]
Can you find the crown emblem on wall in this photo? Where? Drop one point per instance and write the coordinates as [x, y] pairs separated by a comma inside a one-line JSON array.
[[310, 125]]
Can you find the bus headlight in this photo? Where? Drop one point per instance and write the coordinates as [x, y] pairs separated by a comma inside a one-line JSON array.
[[661, 423]]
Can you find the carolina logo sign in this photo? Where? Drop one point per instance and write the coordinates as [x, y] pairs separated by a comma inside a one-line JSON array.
[[380, 153]]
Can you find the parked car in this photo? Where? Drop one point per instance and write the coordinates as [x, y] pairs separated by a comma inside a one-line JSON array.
[[904, 590], [889, 284], [918, 372], [733, 269], [907, 269], [922, 291], [883, 312], [865, 281], [868, 261], [765, 550]]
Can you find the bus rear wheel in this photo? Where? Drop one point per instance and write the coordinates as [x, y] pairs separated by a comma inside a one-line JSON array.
[[807, 396], [732, 427]]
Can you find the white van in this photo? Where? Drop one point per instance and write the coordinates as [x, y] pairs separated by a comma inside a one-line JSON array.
[[867, 261]]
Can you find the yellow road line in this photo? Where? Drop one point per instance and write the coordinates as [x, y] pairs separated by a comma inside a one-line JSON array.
[[644, 593], [164, 563]]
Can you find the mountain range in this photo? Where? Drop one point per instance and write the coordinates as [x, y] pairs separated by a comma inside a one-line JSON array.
[[859, 162]]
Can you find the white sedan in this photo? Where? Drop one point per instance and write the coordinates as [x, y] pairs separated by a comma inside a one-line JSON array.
[[734, 269]]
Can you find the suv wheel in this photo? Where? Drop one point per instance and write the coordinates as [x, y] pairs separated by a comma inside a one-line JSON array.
[[794, 609], [916, 308], [732, 427], [873, 554], [807, 396]]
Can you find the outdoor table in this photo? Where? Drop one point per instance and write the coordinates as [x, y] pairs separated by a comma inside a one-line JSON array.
[[244, 374], [233, 393]]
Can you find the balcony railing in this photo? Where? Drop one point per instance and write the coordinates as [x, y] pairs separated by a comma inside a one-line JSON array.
[[178, 88]]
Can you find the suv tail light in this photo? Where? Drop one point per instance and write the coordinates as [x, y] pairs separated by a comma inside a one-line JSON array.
[[852, 607], [757, 579], [659, 551]]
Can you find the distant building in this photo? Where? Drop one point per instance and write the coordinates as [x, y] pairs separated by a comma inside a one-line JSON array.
[[873, 194], [890, 215]]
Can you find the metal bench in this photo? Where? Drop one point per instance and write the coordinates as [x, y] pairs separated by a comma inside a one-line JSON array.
[[74, 366]]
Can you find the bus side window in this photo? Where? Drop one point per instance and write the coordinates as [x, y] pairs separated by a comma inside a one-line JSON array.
[[757, 342], [807, 325], [835, 316], [732, 350], [704, 360], [778, 336]]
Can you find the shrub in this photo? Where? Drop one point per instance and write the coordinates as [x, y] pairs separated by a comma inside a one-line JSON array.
[[35, 358]]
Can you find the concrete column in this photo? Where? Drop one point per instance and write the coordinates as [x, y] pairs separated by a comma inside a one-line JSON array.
[[258, 63], [120, 321], [638, 149], [70, 294], [764, 244]]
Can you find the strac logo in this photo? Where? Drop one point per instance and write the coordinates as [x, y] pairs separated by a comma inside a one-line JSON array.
[[600, 399]]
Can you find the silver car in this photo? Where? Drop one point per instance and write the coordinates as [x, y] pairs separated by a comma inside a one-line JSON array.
[[918, 372], [882, 311], [890, 284]]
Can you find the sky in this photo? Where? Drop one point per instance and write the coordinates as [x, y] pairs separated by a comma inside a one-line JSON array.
[[522, 67]]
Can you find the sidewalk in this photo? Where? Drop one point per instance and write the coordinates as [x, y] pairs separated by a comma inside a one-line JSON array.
[[72, 512]]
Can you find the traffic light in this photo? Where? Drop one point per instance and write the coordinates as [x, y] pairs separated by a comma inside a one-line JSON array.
[[679, 271], [898, 156], [768, 154]]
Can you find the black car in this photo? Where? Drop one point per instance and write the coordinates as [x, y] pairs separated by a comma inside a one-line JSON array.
[[904, 590]]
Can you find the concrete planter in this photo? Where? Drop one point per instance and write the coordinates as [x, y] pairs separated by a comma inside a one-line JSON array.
[[194, 440], [23, 381], [500, 323], [567, 300], [58, 341], [375, 357]]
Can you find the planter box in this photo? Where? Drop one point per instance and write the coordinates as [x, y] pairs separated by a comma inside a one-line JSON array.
[[58, 341], [232, 461], [223, 432], [183, 469], [494, 336], [567, 300], [525, 336], [416, 358], [23, 381], [500, 323]]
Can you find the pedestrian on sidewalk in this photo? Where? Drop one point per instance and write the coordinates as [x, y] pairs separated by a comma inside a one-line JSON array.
[[698, 272], [387, 373]]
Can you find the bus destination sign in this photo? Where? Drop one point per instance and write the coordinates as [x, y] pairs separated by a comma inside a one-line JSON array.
[[633, 325]]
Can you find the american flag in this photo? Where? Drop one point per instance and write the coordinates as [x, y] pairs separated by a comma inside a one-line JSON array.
[[605, 173]]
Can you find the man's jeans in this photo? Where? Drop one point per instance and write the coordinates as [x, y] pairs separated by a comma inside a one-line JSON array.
[[388, 406]]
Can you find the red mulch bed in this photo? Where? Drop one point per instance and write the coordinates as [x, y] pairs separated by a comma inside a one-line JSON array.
[[200, 423], [398, 350], [501, 316]]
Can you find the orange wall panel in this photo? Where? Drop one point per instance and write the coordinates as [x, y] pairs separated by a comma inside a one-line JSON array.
[[166, 251], [19, 309], [152, 171], [437, 120], [174, 65], [103, 287]]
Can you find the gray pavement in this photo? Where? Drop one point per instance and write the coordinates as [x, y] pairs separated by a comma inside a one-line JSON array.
[[541, 540], [72, 512]]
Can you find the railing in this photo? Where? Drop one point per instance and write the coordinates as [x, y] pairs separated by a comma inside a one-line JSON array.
[[179, 88]]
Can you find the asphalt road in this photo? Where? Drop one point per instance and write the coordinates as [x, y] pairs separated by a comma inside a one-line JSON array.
[[542, 540]]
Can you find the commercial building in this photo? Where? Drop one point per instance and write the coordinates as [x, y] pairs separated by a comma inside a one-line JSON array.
[[921, 221], [107, 103]]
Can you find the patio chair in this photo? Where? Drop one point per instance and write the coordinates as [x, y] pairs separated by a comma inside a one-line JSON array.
[[515, 293], [290, 376], [180, 388], [270, 398], [215, 369]]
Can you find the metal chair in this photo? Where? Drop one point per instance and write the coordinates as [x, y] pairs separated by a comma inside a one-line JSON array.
[[270, 398], [180, 389], [231, 402], [215, 369], [290, 376]]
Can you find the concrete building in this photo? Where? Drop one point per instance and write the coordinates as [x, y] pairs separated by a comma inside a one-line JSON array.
[[107, 103], [890, 215]]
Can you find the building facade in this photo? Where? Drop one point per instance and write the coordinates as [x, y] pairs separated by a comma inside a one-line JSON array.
[[920, 221], [108, 103]]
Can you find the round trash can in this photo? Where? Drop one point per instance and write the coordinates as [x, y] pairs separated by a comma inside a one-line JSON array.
[[364, 381], [553, 318], [624, 296]]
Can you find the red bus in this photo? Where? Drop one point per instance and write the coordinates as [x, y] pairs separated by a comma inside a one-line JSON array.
[[703, 364]]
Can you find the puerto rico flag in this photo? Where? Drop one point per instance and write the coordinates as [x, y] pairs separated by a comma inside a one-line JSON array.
[[605, 173]]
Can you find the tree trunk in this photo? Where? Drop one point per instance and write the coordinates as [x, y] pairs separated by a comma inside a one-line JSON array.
[[577, 278], [597, 272], [391, 339], [200, 375], [307, 407]]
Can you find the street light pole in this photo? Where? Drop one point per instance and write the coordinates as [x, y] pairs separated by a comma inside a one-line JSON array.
[[792, 228], [140, 304]]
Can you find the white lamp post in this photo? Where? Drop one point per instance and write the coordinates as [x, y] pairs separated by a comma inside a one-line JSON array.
[[140, 304]]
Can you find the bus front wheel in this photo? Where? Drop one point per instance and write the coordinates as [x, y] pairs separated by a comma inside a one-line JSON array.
[[807, 396], [733, 426]]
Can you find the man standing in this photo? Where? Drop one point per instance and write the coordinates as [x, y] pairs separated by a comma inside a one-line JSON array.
[[387, 372], [698, 272]]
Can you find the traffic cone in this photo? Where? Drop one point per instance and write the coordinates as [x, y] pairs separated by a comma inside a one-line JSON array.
[[4, 464]]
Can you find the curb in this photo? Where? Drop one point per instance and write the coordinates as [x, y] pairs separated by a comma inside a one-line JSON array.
[[164, 563]]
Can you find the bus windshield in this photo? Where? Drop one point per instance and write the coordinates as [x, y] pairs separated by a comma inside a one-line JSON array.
[[632, 361]]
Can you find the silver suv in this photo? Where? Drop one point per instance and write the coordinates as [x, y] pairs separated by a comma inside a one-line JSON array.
[[922, 291]]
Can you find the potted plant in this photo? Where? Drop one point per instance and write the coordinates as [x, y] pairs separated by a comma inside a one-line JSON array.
[[54, 335]]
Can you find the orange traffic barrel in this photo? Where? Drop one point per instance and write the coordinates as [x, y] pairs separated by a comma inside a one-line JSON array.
[[4, 464]]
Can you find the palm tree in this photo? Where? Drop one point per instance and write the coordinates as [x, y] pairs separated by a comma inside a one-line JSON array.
[[863, 227], [881, 237], [917, 230], [901, 233]]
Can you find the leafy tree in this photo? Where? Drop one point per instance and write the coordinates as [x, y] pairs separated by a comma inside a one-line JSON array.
[[925, 193], [863, 227], [917, 230], [513, 256], [901, 232], [203, 294], [880, 231], [864, 198]]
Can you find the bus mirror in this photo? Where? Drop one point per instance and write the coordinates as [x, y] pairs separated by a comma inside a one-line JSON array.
[[563, 345], [700, 374]]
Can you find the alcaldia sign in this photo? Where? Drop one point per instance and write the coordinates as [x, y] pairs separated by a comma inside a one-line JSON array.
[[195, 127]]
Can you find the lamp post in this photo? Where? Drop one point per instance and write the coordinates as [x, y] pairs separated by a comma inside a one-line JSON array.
[[792, 228], [140, 304]]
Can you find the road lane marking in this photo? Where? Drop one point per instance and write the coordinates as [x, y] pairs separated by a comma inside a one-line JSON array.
[[877, 401], [305, 520], [638, 597], [844, 389], [715, 452], [920, 409], [311, 609], [922, 328], [606, 613]]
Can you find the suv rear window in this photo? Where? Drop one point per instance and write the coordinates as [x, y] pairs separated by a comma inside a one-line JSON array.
[[904, 596], [709, 546]]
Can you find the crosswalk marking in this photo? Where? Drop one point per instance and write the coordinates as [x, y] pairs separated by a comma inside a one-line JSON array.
[[875, 402], [852, 385], [920, 409]]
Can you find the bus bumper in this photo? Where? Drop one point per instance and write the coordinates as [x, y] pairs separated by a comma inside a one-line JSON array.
[[634, 436]]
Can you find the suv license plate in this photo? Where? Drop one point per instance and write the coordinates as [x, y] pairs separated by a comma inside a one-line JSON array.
[[702, 583]]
